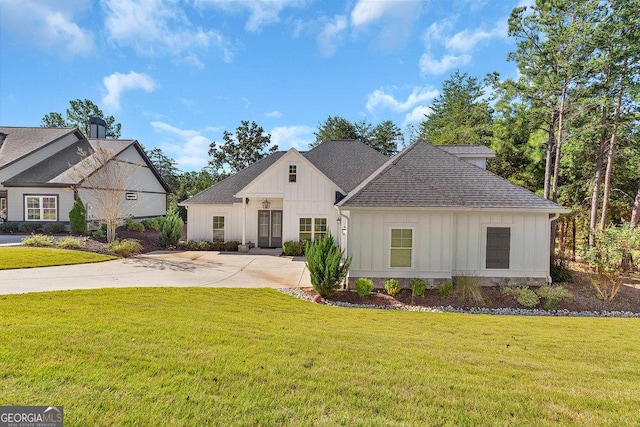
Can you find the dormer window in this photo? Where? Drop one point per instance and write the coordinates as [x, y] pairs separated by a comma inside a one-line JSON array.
[[293, 170]]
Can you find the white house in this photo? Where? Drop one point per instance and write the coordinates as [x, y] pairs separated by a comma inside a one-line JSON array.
[[429, 212], [41, 173]]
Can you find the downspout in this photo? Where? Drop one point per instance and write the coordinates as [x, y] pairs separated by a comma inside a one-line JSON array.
[[344, 221], [552, 218]]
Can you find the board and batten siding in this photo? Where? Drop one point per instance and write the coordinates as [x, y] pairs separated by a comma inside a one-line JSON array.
[[16, 195], [447, 244]]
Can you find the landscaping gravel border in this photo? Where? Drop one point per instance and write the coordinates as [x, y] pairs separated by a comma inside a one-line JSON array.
[[300, 294]]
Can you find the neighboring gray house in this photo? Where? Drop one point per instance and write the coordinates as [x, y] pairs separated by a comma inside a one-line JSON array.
[[429, 212], [41, 173]]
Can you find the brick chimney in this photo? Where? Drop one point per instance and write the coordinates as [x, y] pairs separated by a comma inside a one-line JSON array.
[[97, 128]]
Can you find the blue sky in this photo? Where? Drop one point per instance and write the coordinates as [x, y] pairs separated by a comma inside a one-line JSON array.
[[176, 74]]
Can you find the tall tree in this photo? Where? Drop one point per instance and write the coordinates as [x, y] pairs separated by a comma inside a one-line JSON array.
[[460, 114], [166, 166], [385, 137], [78, 115], [335, 127], [249, 144]]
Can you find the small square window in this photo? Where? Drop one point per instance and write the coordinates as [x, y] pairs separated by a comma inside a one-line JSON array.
[[293, 170]]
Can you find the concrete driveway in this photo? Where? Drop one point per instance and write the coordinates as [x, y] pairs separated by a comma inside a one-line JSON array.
[[178, 269]]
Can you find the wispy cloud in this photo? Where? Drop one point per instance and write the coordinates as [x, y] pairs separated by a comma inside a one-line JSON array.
[[393, 20], [161, 27], [417, 115], [261, 12], [332, 35], [430, 65], [189, 148], [379, 98], [298, 137], [45, 24], [275, 114], [117, 83]]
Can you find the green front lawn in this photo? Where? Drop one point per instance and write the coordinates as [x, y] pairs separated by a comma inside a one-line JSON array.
[[196, 356], [27, 257]]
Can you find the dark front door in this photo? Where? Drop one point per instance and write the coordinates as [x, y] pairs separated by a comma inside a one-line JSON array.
[[269, 229]]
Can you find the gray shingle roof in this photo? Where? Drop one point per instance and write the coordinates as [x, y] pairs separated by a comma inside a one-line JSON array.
[[426, 176], [223, 191], [20, 141], [345, 162], [468, 150]]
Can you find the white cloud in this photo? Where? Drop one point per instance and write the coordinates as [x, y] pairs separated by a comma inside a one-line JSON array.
[[368, 11], [275, 114], [189, 148], [380, 99], [160, 26], [417, 115], [466, 40], [46, 25], [430, 65], [117, 83], [298, 137], [332, 35], [394, 20], [261, 12]]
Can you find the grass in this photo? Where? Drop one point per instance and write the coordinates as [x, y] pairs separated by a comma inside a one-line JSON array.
[[194, 356], [28, 257]]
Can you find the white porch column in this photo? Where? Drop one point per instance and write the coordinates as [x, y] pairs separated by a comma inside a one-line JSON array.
[[244, 220]]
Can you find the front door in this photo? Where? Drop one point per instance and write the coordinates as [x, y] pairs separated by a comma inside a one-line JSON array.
[[269, 229]]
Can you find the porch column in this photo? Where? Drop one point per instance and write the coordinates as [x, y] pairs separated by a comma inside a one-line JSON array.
[[244, 220]]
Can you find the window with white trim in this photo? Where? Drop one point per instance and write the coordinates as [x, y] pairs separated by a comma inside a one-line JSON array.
[[41, 208], [401, 247], [218, 228], [498, 247], [306, 228], [293, 173], [319, 228]]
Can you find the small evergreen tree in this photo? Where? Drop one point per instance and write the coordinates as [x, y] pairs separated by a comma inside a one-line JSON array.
[[326, 269], [170, 229], [78, 217]]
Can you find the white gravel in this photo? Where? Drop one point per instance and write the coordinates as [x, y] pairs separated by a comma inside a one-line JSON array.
[[298, 293]]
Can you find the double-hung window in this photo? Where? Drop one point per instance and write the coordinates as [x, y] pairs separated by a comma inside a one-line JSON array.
[[312, 228], [320, 228], [218, 228], [306, 229], [401, 247], [293, 173], [41, 208]]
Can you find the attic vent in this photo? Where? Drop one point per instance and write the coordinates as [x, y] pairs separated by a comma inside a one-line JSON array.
[[97, 128]]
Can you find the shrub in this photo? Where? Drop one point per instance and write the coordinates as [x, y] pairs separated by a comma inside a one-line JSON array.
[[364, 286], [125, 247], [231, 246], [70, 242], [9, 227], [293, 248], [78, 217], [560, 272], [53, 228], [134, 226], [151, 224], [552, 295], [38, 240], [418, 287], [99, 233], [467, 288], [446, 288], [170, 229], [392, 287], [29, 227], [325, 265], [523, 295]]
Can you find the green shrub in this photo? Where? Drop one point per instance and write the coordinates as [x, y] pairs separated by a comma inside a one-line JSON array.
[[364, 286], [418, 287], [41, 240], [560, 272], [53, 228], [523, 295], [78, 217], [99, 233], [392, 287], [170, 229], [467, 288], [553, 295], [446, 288], [9, 227], [70, 242], [151, 224], [293, 248], [324, 262], [29, 227], [134, 226], [231, 246], [125, 247]]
